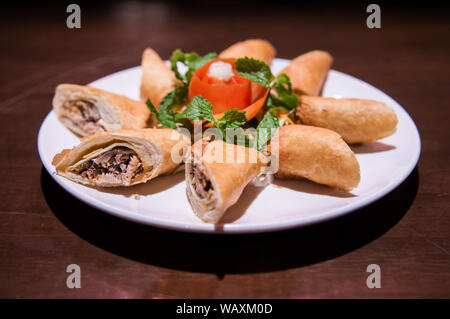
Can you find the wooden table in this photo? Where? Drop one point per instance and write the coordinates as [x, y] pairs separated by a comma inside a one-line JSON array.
[[43, 229]]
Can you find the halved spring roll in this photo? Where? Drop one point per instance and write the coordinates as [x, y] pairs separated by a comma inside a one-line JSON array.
[[356, 120], [317, 154], [157, 78], [216, 175], [86, 110], [253, 48], [122, 158], [309, 71]]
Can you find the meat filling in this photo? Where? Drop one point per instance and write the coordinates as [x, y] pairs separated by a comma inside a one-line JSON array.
[[202, 185], [117, 166], [83, 114]]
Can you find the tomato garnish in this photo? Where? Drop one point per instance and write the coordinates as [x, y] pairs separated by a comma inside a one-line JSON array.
[[252, 109], [238, 92]]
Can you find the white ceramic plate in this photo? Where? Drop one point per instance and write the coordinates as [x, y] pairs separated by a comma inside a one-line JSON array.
[[285, 204]]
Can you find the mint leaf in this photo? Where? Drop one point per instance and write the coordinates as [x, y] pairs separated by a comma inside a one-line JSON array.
[[286, 100], [259, 72], [232, 119], [266, 128], [254, 70], [199, 109], [194, 64], [283, 79], [229, 126], [178, 96], [284, 96], [165, 116], [192, 61], [177, 56]]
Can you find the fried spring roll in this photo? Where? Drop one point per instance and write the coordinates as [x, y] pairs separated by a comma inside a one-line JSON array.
[[356, 120], [253, 48], [215, 182], [86, 110], [122, 158], [317, 154], [157, 78], [309, 71]]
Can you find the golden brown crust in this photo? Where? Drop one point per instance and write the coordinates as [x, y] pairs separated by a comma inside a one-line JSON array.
[[228, 177], [317, 154], [60, 157], [356, 120], [157, 78], [158, 149], [309, 71], [253, 48], [117, 111], [231, 177]]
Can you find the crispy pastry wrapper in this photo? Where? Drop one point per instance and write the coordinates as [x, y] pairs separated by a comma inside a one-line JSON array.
[[160, 151], [317, 154], [228, 168], [253, 48], [157, 78], [356, 120], [115, 111], [309, 71]]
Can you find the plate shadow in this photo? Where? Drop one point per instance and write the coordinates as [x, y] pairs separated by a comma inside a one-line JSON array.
[[306, 186], [230, 254], [237, 210], [374, 147], [157, 185]]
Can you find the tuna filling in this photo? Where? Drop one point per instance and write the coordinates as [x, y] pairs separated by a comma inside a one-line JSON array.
[[84, 115], [117, 166]]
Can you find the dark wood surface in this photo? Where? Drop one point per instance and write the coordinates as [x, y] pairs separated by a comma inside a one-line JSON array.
[[43, 229]]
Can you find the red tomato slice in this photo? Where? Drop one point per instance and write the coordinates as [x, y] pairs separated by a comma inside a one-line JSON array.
[[234, 93], [252, 109], [238, 92]]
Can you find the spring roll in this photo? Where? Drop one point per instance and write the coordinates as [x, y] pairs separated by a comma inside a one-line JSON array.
[[317, 154], [216, 175], [122, 158], [253, 48], [356, 120], [157, 78], [86, 110], [309, 71]]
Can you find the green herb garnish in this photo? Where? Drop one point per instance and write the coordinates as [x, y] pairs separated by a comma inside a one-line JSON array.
[[254, 70], [191, 60], [199, 109], [259, 72], [265, 130]]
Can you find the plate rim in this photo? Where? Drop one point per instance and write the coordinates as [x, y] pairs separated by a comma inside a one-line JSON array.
[[235, 229]]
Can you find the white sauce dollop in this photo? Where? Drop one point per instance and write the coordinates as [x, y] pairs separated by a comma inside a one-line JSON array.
[[220, 70]]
